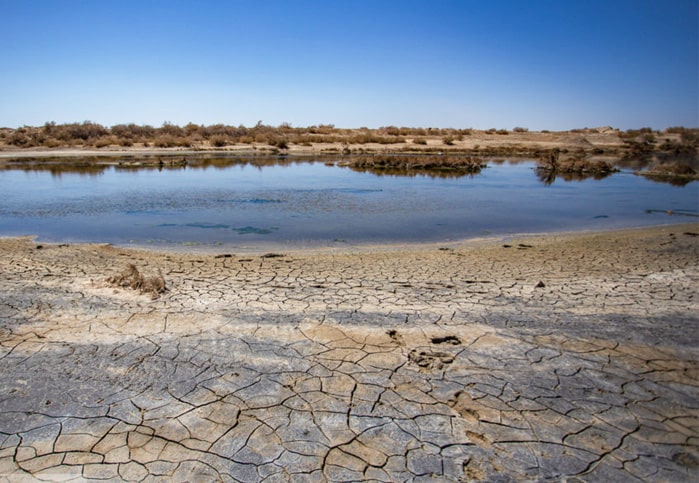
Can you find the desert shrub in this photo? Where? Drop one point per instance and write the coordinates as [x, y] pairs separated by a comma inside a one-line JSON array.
[[363, 138], [219, 141], [105, 141], [133, 132], [390, 130], [168, 129], [448, 140], [520, 129], [503, 132], [192, 129], [419, 141], [52, 143], [263, 139], [165, 142], [218, 130], [79, 132], [19, 138], [308, 139]]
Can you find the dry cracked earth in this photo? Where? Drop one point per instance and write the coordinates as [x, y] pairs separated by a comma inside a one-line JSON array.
[[550, 358]]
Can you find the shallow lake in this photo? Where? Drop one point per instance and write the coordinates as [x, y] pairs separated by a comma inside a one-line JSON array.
[[255, 203]]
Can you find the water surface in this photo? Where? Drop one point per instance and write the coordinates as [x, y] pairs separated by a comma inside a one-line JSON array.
[[311, 204]]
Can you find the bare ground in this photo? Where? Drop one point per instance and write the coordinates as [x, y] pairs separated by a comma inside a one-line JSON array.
[[553, 357]]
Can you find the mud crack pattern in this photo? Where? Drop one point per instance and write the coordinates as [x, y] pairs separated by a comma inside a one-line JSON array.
[[410, 365]]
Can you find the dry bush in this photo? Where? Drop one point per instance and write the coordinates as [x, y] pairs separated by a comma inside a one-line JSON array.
[[105, 141], [135, 280], [165, 142], [219, 141]]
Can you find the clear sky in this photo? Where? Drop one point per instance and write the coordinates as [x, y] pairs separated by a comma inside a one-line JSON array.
[[556, 64]]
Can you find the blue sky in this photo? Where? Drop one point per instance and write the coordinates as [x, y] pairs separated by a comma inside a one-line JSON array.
[[441, 63]]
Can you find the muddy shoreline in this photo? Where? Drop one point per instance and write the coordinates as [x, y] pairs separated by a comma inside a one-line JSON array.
[[547, 357]]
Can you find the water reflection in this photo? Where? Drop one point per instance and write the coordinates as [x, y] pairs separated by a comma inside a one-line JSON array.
[[428, 165], [56, 169], [93, 165], [213, 200], [548, 177], [413, 172]]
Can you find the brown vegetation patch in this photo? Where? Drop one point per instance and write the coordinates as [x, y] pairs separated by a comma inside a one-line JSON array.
[[634, 144], [462, 163], [551, 162], [676, 174], [135, 280]]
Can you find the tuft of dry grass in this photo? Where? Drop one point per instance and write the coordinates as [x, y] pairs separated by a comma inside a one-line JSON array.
[[135, 280]]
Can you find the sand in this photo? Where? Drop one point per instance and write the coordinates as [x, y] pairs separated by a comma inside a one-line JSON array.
[[546, 357]]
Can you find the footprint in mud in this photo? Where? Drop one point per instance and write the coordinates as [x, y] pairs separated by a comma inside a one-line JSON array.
[[479, 439], [428, 360], [396, 338], [463, 404], [449, 339]]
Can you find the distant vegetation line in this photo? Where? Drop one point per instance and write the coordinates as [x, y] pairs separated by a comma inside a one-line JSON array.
[[93, 135]]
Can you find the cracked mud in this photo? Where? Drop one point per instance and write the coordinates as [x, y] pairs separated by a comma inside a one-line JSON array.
[[574, 357]]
